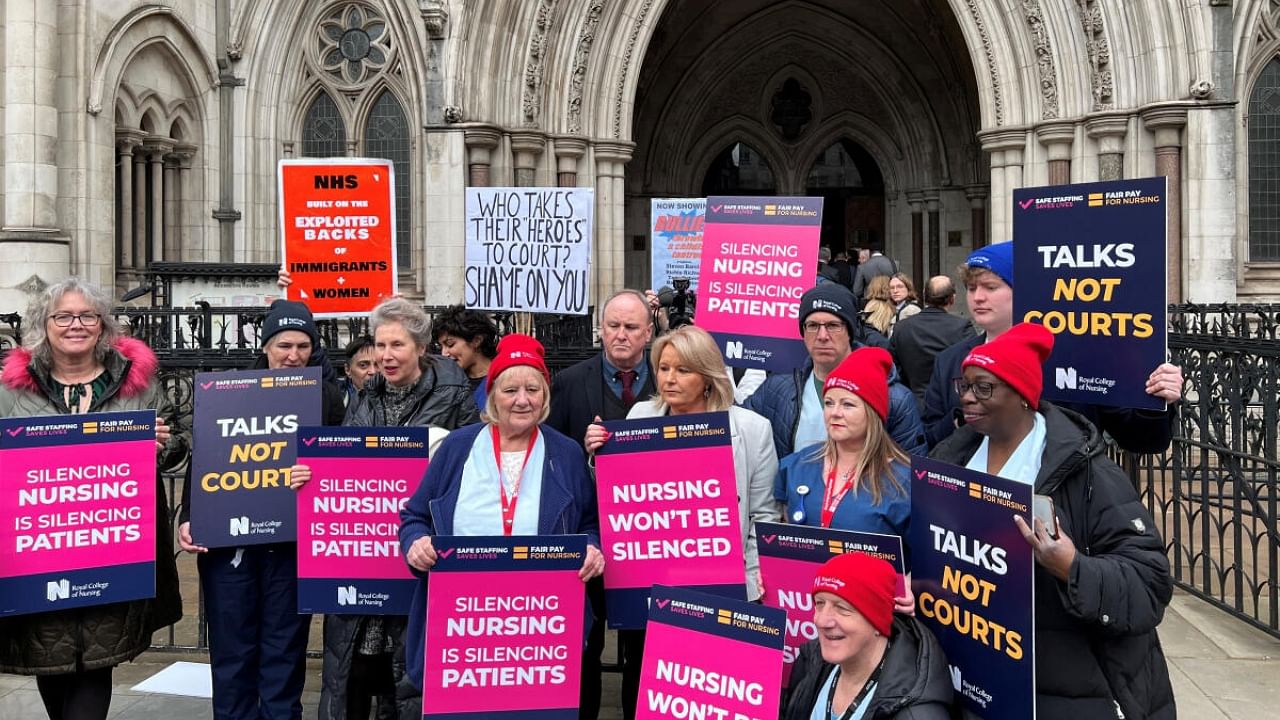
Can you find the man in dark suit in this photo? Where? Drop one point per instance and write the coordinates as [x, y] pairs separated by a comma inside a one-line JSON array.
[[875, 265], [605, 387], [919, 338]]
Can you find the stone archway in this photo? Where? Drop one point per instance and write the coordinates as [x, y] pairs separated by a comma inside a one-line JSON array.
[[793, 79]]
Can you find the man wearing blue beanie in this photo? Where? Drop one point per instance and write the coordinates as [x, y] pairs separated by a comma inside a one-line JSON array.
[[987, 274]]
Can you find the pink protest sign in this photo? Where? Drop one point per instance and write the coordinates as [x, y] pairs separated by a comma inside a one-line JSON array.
[[790, 556], [759, 256], [668, 511], [505, 622], [707, 656], [78, 494], [349, 518]]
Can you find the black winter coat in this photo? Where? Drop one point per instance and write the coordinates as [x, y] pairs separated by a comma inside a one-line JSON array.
[[442, 397], [915, 683], [1096, 645]]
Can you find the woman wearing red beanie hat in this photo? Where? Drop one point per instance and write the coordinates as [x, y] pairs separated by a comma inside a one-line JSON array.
[[858, 479], [510, 475], [1097, 607], [867, 662]]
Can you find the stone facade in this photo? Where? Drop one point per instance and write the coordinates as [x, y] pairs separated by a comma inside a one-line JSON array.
[[139, 131]]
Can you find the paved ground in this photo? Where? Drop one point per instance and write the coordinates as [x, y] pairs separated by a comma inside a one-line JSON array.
[[1222, 669]]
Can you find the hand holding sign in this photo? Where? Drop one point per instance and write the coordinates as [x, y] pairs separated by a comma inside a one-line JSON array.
[[1165, 383], [593, 565], [422, 554], [1055, 554]]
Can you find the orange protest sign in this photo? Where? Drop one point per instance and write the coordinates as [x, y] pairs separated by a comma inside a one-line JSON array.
[[338, 222]]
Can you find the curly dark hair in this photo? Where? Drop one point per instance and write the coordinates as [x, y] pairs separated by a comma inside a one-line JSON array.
[[467, 325]]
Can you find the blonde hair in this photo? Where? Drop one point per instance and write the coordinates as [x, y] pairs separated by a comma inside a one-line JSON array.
[[879, 309], [698, 352], [490, 413], [873, 469]]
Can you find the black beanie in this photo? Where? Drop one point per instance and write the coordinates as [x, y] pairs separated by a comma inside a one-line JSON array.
[[288, 315], [829, 297]]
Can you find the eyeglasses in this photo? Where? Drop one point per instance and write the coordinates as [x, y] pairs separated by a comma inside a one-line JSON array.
[[67, 319], [833, 328], [981, 389]]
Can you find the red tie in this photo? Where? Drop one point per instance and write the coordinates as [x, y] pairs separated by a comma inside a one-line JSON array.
[[628, 378]]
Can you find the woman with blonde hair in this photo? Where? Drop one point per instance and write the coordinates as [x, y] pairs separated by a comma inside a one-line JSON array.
[[879, 308], [690, 377], [902, 293], [858, 478]]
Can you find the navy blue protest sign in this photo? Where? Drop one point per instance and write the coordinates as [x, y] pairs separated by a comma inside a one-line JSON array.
[[78, 498], [349, 518], [668, 499], [759, 256], [971, 571], [505, 621], [1090, 265], [709, 656], [243, 444]]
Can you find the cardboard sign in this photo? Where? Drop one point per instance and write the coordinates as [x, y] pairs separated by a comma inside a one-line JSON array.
[[759, 256], [78, 498], [675, 240], [790, 556], [504, 628], [707, 656], [668, 511], [338, 228], [529, 249], [243, 445], [349, 518], [1090, 265], [972, 571]]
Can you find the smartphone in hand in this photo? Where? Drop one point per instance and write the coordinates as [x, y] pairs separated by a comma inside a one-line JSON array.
[[1043, 510]]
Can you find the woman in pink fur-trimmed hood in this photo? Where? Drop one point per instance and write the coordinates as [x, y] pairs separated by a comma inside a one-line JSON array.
[[75, 361]]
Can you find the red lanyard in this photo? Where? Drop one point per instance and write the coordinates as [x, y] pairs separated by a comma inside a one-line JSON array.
[[509, 503], [830, 498]]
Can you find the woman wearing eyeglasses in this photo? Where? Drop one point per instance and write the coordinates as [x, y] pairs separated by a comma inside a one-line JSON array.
[[75, 360], [857, 478], [1102, 579]]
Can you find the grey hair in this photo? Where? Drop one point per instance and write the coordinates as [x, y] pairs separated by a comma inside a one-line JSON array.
[[412, 318], [41, 309]]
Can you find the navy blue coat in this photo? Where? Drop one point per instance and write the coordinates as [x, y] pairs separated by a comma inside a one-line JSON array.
[[568, 507]]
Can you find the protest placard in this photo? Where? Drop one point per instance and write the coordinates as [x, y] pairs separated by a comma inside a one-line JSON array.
[[338, 233], [759, 256], [78, 498], [668, 502], [790, 556], [349, 518], [675, 240], [971, 571], [504, 628], [707, 656], [244, 443], [529, 249], [1090, 265]]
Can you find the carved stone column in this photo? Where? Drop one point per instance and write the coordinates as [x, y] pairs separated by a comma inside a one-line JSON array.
[[1057, 138], [171, 201], [611, 201], [126, 141], [156, 150], [569, 152], [977, 195], [1109, 131], [527, 147], [1007, 148], [190, 238], [935, 238], [480, 143], [140, 200], [1167, 124], [915, 199]]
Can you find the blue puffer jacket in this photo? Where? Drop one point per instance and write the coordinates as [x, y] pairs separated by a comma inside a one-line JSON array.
[[778, 399]]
